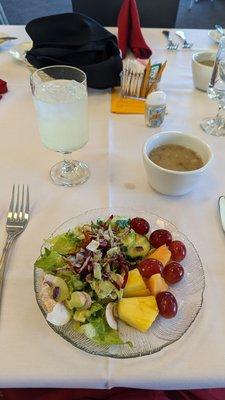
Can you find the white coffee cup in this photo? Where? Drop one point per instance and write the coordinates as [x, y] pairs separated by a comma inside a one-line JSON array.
[[172, 182], [202, 73]]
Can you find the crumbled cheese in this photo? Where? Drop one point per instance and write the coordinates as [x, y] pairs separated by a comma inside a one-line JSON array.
[[93, 246]]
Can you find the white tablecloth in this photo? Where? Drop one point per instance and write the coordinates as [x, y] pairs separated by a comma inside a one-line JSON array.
[[31, 354]]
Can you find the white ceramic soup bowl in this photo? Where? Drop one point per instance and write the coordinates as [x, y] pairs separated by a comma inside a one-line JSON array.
[[202, 73], [172, 182]]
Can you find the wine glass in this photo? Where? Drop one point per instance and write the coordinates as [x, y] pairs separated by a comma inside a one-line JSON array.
[[216, 91], [61, 102]]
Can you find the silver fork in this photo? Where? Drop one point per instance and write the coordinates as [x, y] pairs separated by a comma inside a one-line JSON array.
[[17, 220], [171, 45], [186, 45], [7, 38]]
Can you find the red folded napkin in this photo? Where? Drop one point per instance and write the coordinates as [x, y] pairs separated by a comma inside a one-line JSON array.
[[3, 87], [129, 31]]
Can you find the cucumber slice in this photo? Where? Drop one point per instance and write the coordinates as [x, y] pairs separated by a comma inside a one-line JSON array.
[[137, 246], [129, 240]]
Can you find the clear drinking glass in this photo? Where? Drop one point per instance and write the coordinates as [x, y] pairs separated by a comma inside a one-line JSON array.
[[61, 102], [216, 91]]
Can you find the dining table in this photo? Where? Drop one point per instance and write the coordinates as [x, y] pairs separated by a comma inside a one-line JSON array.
[[32, 355]]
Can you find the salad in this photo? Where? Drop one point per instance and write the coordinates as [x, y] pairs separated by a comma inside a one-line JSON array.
[[107, 270]]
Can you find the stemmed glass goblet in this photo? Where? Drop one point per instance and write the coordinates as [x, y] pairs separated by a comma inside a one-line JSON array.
[[216, 91], [60, 98]]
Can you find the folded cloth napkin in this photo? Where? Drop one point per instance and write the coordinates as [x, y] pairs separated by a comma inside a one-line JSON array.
[[3, 87], [126, 105], [129, 31], [79, 41]]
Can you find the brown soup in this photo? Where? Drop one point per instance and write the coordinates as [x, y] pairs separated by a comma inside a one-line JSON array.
[[176, 157], [208, 63]]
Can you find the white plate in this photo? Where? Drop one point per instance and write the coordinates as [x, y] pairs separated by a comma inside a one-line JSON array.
[[19, 51], [215, 35]]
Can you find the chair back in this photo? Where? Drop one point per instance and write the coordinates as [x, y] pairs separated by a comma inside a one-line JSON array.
[[20, 12], [3, 19], [153, 13]]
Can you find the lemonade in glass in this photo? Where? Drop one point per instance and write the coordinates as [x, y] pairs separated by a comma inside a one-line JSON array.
[[61, 102]]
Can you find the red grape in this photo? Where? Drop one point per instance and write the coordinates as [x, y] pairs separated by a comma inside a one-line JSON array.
[[160, 237], [178, 250], [167, 304], [140, 225], [173, 272], [149, 267]]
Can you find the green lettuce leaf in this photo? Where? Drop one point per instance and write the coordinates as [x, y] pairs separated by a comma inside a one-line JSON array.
[[73, 281], [50, 261], [110, 338], [102, 288], [105, 334], [66, 243], [95, 308], [88, 330]]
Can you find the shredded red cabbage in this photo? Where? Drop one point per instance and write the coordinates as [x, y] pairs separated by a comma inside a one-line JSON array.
[[56, 292]]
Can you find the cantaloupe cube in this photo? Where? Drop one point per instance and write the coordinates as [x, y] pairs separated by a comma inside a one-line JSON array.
[[135, 285], [157, 284], [138, 312], [162, 254]]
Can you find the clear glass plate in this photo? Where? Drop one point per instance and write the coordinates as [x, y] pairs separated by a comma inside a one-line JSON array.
[[163, 332]]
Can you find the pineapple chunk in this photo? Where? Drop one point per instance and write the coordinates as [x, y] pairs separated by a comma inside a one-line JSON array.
[[135, 285], [140, 293], [162, 254], [138, 312], [156, 284]]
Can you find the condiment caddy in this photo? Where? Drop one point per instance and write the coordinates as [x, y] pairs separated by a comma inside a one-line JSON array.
[[138, 80]]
